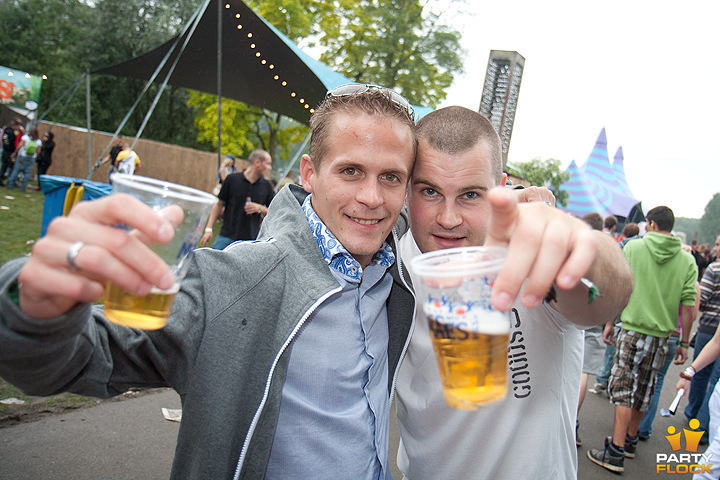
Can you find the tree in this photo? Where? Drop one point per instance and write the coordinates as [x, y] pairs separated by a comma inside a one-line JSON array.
[[245, 127], [689, 226], [46, 37], [397, 44], [710, 221], [546, 174], [63, 39], [124, 29]]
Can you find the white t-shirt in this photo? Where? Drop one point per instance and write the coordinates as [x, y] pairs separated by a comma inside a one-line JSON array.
[[126, 161], [529, 434], [26, 140]]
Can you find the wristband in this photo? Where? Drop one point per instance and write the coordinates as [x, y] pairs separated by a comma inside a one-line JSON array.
[[683, 345], [593, 291], [208, 229], [260, 210], [688, 373]]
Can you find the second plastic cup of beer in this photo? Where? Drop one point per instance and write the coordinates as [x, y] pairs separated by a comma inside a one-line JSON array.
[[151, 311], [469, 336]]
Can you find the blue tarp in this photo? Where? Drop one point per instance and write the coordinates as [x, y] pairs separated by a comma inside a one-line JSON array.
[[55, 188]]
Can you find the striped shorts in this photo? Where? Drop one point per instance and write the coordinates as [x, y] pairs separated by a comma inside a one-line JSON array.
[[638, 357]]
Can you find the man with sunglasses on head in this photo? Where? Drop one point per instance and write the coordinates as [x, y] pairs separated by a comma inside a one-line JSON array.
[[456, 199], [284, 350]]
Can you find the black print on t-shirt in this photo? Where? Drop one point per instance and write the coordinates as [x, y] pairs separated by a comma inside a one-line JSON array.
[[518, 361]]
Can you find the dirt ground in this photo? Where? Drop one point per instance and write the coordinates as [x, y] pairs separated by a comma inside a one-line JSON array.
[[36, 408]]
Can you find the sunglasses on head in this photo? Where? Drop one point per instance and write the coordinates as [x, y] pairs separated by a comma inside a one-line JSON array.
[[358, 88]]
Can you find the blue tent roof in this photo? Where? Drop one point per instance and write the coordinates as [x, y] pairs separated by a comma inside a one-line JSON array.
[[599, 186]]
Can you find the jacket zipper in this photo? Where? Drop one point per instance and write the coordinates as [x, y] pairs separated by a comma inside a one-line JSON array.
[[261, 407]]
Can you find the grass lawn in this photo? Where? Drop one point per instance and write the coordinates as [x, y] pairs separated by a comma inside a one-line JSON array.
[[20, 223]]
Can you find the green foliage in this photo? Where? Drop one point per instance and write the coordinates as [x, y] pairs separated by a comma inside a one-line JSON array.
[[237, 123], [297, 19], [245, 128], [546, 174], [397, 44], [710, 221], [63, 39]]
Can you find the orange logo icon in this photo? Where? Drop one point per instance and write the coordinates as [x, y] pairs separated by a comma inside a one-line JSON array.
[[692, 437]]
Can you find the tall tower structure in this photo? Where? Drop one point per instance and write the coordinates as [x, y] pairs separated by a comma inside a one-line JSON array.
[[500, 93]]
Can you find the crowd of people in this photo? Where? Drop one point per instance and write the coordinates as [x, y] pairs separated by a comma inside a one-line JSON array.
[[21, 151], [287, 350]]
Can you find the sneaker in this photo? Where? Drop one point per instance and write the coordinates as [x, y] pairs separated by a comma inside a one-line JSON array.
[[608, 457], [598, 388], [578, 442], [643, 436], [630, 446]]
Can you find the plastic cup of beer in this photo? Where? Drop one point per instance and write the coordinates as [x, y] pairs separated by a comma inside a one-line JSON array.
[[151, 311], [469, 336]]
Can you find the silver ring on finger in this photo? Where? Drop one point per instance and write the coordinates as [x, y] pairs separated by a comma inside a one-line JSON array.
[[72, 255], [549, 204]]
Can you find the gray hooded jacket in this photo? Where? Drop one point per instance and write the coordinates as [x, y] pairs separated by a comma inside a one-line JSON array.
[[225, 349]]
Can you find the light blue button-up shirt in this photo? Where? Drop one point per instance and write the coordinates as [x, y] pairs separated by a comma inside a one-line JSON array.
[[334, 415]]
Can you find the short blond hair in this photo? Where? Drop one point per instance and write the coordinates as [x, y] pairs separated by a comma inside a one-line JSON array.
[[372, 102]]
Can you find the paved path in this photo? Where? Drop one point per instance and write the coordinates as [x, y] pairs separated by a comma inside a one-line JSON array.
[[128, 439], [596, 422], [131, 439]]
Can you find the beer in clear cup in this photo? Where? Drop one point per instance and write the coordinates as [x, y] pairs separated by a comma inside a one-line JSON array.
[[150, 312], [469, 336]]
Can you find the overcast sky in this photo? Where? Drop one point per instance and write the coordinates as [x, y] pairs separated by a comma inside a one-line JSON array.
[[648, 72]]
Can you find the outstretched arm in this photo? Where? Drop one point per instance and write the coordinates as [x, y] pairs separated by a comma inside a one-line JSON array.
[[548, 247], [709, 353]]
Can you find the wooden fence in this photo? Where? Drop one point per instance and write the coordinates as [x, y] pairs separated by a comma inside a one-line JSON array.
[[182, 165]]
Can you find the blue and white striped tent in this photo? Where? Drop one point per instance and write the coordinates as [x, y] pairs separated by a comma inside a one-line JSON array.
[[599, 186]]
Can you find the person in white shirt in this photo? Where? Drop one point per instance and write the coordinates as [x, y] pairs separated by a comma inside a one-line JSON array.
[[25, 153], [127, 161], [455, 198]]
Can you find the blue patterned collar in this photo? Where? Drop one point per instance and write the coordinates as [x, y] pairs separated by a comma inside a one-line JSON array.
[[336, 256]]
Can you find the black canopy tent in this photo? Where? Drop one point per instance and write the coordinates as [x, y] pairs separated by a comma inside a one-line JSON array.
[[242, 57], [260, 66]]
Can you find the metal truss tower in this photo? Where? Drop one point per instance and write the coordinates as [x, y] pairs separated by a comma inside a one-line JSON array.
[[500, 93]]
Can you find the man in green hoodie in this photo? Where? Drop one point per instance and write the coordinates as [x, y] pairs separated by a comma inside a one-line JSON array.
[[664, 277]]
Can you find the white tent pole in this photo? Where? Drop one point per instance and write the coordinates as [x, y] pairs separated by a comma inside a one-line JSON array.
[[87, 117], [219, 82]]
